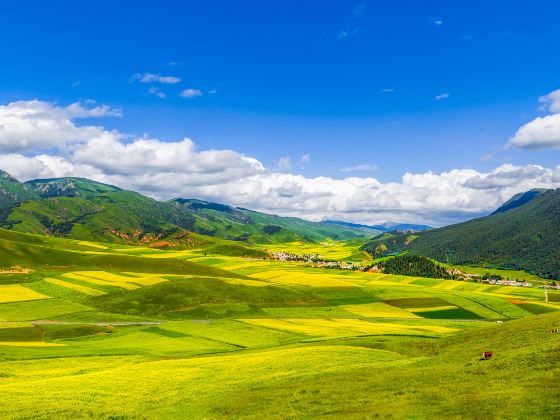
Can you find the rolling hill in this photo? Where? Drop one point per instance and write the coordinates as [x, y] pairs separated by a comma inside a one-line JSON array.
[[83, 209], [522, 234]]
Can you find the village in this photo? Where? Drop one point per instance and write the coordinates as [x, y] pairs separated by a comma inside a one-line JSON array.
[[317, 261]]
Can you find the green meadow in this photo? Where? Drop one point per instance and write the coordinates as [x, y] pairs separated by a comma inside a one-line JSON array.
[[115, 331]]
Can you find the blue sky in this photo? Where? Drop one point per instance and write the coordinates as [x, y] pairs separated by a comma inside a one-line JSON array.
[[383, 87]]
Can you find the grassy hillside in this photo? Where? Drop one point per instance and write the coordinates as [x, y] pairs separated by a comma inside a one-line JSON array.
[[117, 331], [52, 254], [245, 225], [524, 237], [113, 331], [88, 210], [12, 192]]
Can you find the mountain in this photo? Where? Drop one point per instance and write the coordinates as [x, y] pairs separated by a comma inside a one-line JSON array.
[[12, 191], [88, 210], [519, 236], [69, 187], [240, 224], [385, 227], [518, 200]]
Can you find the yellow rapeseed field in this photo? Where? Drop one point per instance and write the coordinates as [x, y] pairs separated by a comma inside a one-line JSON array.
[[18, 293], [30, 344], [77, 287]]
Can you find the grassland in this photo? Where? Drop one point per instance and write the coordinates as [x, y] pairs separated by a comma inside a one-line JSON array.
[[114, 331]]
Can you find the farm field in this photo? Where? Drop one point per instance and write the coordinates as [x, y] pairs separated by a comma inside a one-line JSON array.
[[110, 331]]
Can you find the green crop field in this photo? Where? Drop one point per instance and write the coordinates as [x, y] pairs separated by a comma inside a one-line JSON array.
[[116, 331]]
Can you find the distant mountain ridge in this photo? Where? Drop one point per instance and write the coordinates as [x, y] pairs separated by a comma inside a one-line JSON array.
[[524, 233], [88, 210], [385, 227], [69, 187]]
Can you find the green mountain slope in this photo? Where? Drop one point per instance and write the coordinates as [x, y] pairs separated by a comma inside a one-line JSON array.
[[518, 200], [12, 191], [69, 187], [88, 210], [245, 225], [525, 237]]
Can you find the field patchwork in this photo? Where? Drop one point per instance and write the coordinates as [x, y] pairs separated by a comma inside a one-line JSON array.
[[18, 293]]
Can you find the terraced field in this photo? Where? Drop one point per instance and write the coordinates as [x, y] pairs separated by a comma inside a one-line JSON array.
[[110, 331]]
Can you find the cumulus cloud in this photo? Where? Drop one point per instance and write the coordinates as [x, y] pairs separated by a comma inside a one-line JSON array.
[[542, 132], [154, 78], [190, 93], [551, 102], [28, 125], [166, 169], [442, 96]]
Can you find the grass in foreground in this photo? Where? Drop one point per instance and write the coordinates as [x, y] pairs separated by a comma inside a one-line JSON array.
[[124, 336]]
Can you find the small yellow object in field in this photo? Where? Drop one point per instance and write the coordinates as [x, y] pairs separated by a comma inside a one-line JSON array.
[[29, 344], [77, 287], [18, 293]]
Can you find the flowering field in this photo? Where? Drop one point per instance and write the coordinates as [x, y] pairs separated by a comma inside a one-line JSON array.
[[193, 335]]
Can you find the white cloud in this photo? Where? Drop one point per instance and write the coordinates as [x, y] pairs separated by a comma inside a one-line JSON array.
[[442, 96], [191, 93], [156, 92], [387, 90], [154, 78], [360, 168], [438, 22], [27, 125], [166, 169], [212, 91], [78, 110], [551, 102], [542, 132]]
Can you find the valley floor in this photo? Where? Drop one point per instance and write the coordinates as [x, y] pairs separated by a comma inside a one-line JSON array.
[[140, 333]]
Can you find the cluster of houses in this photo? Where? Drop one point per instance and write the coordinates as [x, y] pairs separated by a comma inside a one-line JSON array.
[[514, 283], [315, 260], [285, 256]]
